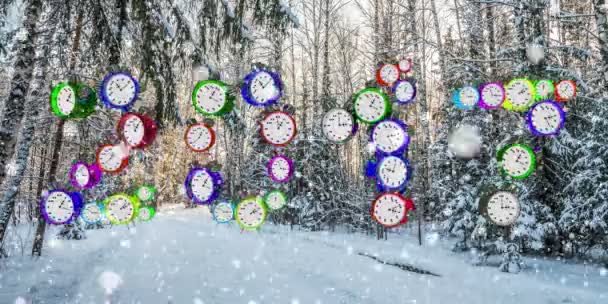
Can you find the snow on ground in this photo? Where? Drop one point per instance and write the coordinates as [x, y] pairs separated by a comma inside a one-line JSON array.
[[183, 257]]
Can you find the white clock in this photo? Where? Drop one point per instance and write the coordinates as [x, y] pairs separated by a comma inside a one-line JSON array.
[[405, 65], [565, 90], [80, 175], [59, 207], [387, 74], [371, 105], [278, 128], [223, 212], [111, 159], [201, 186], [469, 96], [520, 95], [91, 213], [502, 208], [338, 125], [119, 90], [66, 100], [199, 137], [404, 91], [492, 95], [517, 161], [251, 213], [389, 210], [392, 173], [546, 118], [275, 200], [133, 130], [390, 136], [120, 208]]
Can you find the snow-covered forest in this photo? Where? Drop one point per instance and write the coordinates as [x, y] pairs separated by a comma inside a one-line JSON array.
[[325, 53]]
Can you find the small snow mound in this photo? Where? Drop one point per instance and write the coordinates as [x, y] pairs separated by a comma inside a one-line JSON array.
[[109, 281], [604, 271], [432, 238], [198, 301], [20, 300], [236, 264], [465, 142], [295, 301], [125, 243]]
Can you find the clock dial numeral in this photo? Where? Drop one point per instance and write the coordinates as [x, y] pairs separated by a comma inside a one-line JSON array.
[[503, 208], [59, 207], [120, 209], [278, 128], [338, 125], [389, 136]]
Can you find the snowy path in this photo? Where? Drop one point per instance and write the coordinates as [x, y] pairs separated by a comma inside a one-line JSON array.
[[183, 257]]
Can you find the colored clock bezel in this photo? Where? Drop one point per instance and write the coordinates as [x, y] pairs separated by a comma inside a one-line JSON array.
[[246, 92], [217, 185], [509, 105], [550, 82], [482, 102], [558, 97], [226, 108], [150, 209], [381, 184], [74, 180], [149, 126], [122, 166], [104, 95], [258, 201], [401, 198], [458, 102], [278, 192], [353, 131], [562, 116], [293, 121], [387, 105], [84, 218], [500, 158], [76, 205], [411, 65], [397, 83], [211, 133], [379, 76], [215, 219], [54, 103], [134, 201], [289, 164], [150, 197], [404, 145]]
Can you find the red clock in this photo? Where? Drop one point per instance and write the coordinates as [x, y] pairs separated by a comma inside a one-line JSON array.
[[199, 137], [391, 209], [565, 90], [405, 65], [387, 74], [278, 128], [137, 130], [112, 159]]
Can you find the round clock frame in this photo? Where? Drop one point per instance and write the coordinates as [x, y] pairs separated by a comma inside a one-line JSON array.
[[77, 202], [246, 89], [211, 135], [275, 192], [101, 213], [385, 99], [149, 126], [508, 104], [528, 150], [124, 163], [551, 90], [93, 170], [151, 190], [408, 205], [290, 165], [483, 103], [151, 211], [561, 98], [353, 130], [215, 218], [289, 140], [106, 99], [216, 179], [485, 200], [229, 99], [260, 202], [134, 202], [399, 83], [379, 78], [404, 141], [530, 118]]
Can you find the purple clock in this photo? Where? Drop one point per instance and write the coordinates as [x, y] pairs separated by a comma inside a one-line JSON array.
[[492, 95], [280, 168], [60, 207], [546, 118], [262, 88], [203, 186], [390, 137], [84, 176]]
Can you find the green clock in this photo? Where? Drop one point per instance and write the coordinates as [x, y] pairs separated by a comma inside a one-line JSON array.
[[275, 200], [72, 100], [544, 89], [251, 213], [121, 208], [145, 213], [517, 161], [145, 193], [371, 105], [212, 98], [520, 95]]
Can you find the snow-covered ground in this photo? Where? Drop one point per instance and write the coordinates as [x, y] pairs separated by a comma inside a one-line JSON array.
[[183, 257]]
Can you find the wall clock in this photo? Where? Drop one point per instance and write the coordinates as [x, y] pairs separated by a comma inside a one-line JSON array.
[[60, 207], [517, 161], [203, 185], [371, 105], [405, 65], [223, 212], [121, 208], [565, 90], [262, 88], [338, 125], [111, 159], [199, 137], [137, 130], [63, 100], [280, 168], [501, 208], [546, 118], [92, 213], [145, 193], [520, 94], [278, 128], [492, 95], [466, 98], [119, 90], [404, 91], [84, 176], [392, 173], [145, 213], [275, 200], [544, 89], [212, 98], [251, 213], [390, 209], [390, 137], [387, 74]]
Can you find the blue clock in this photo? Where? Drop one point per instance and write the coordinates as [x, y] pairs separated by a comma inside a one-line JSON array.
[[223, 212], [92, 213], [466, 98], [262, 88], [391, 173], [203, 186], [119, 90]]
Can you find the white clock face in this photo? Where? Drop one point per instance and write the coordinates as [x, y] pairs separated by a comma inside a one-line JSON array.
[[211, 98], [546, 118], [82, 175], [405, 65], [389, 136], [503, 208], [66, 100], [59, 206], [199, 137], [516, 161], [120, 90], [133, 131], [144, 214], [566, 90], [275, 200], [280, 168], [110, 158], [389, 73], [338, 125], [392, 172], [389, 210], [263, 88], [370, 106], [519, 92], [223, 212], [202, 185], [493, 95], [278, 128], [251, 213], [120, 209], [144, 193], [405, 91], [469, 96], [544, 88], [91, 213]]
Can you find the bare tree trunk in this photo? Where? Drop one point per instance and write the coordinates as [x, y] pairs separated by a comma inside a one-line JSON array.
[[491, 38], [601, 19]]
